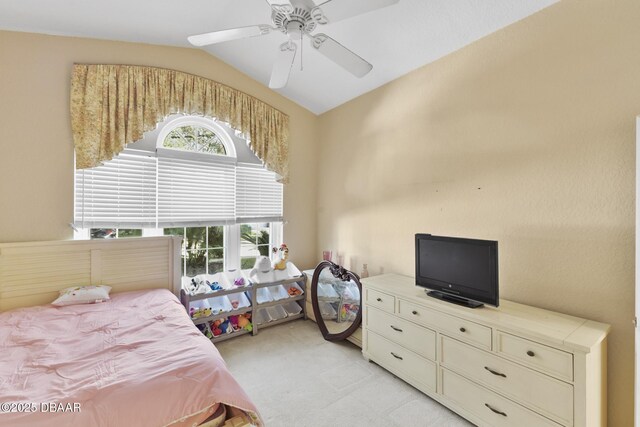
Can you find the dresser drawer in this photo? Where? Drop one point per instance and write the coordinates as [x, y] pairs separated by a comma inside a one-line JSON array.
[[491, 408], [547, 359], [414, 337], [397, 358], [456, 327], [380, 300], [549, 396]]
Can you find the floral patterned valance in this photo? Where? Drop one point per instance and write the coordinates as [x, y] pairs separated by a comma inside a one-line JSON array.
[[113, 105]]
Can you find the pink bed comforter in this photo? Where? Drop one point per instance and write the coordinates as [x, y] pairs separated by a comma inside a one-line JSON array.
[[136, 360]]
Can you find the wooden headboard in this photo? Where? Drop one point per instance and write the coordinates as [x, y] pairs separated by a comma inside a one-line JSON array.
[[33, 273]]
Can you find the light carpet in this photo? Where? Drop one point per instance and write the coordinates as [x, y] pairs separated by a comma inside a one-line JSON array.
[[297, 379]]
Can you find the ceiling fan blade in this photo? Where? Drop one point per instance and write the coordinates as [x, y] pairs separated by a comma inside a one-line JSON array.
[[228, 35], [281, 6], [282, 66], [341, 55], [337, 10]]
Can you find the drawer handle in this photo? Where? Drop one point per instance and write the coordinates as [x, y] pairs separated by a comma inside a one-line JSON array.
[[463, 330], [414, 312], [379, 299], [495, 410], [395, 329], [530, 353], [396, 356], [495, 372]]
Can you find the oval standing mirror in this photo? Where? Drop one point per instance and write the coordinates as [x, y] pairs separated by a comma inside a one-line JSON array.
[[335, 296]]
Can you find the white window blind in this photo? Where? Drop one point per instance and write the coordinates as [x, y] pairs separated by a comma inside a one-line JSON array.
[[194, 192], [120, 193], [138, 190], [258, 195]]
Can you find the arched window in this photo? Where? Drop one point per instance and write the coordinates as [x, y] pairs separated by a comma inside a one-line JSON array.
[[227, 211], [198, 135]]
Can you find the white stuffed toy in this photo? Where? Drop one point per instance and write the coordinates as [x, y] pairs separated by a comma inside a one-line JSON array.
[[198, 286], [262, 271]]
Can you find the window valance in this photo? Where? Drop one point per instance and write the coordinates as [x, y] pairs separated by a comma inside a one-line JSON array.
[[113, 105]]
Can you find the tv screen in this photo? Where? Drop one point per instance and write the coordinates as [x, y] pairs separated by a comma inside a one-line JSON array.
[[458, 269]]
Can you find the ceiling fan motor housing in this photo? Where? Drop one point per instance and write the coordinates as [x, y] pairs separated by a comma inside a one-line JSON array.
[[297, 22]]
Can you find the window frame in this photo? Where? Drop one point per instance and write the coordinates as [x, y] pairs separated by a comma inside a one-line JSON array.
[[204, 122]]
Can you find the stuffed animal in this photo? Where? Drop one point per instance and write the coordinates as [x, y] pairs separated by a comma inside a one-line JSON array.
[[293, 291], [215, 327], [239, 281], [215, 286], [200, 312], [198, 286], [234, 322], [261, 271], [244, 323], [281, 256], [226, 327]]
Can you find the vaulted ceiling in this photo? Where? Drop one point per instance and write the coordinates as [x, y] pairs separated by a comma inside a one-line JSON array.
[[396, 39]]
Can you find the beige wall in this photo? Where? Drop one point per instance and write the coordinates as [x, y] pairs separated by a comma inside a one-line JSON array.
[[36, 160], [527, 137]]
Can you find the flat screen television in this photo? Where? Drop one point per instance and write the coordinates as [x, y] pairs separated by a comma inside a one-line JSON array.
[[461, 271]]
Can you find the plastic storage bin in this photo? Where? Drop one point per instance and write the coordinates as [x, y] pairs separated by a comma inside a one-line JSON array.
[[278, 292], [351, 292], [276, 312], [326, 291], [263, 295], [327, 310], [220, 304], [292, 308], [260, 316], [239, 301], [294, 285]]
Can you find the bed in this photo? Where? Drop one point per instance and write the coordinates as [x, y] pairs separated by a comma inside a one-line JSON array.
[[136, 359]]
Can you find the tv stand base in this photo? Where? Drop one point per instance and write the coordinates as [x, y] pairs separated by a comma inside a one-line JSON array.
[[454, 299]]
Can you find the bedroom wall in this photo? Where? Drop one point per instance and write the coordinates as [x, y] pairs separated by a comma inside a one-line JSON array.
[[526, 137], [36, 150]]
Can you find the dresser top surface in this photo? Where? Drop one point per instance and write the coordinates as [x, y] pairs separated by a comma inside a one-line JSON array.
[[574, 332]]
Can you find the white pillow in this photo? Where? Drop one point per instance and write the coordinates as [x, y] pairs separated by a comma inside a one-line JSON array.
[[82, 295]]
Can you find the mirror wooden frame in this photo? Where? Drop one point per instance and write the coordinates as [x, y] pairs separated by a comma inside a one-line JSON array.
[[343, 274]]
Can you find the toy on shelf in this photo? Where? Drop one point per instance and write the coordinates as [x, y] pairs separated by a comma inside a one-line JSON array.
[[294, 292], [281, 256], [239, 281], [197, 313], [198, 286], [244, 322], [262, 271], [215, 327], [206, 331], [234, 322], [215, 286], [226, 327]]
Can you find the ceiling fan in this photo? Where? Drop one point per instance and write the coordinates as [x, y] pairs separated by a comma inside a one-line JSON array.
[[298, 18]]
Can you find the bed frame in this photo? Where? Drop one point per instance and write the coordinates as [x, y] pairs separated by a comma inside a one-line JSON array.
[[33, 273]]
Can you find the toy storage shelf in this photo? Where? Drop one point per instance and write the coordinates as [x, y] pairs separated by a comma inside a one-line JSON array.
[[251, 291]]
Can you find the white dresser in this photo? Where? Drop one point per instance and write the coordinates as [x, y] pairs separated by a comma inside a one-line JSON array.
[[514, 365]]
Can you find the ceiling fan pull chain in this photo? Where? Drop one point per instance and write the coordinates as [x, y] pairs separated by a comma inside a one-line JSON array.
[[301, 67]]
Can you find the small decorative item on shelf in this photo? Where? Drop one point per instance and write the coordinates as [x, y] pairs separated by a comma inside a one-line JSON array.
[[239, 281], [281, 256], [294, 292], [326, 255], [364, 273], [215, 327], [197, 313], [215, 286], [244, 323], [198, 286]]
